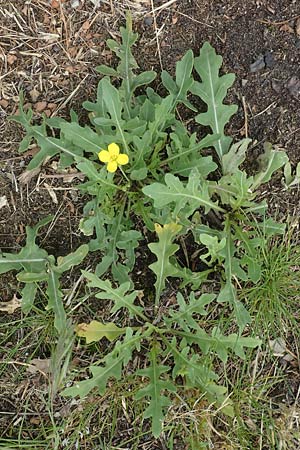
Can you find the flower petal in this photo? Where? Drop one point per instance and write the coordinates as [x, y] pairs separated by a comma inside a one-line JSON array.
[[104, 156], [122, 159], [112, 166], [113, 149]]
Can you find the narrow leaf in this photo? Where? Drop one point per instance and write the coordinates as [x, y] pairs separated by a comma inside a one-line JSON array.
[[163, 250]]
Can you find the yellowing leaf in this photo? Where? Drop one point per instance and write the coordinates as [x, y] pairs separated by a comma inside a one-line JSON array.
[[172, 227], [94, 331]]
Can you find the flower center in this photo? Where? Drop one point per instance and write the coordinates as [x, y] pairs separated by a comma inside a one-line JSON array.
[[114, 156]]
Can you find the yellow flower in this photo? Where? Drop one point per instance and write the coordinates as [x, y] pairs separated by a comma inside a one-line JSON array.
[[113, 158]]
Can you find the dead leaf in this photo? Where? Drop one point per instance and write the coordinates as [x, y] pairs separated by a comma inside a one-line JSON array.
[[34, 94], [3, 201], [71, 174], [3, 103], [54, 4], [278, 346], [40, 106], [47, 112], [52, 106], [297, 26], [11, 58], [86, 26], [11, 306], [39, 365], [35, 421], [28, 175], [286, 28], [51, 193]]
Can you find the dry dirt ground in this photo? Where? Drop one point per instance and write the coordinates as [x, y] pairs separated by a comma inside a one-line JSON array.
[[49, 49]]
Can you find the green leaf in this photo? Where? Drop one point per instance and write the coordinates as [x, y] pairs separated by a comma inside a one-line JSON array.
[[32, 277], [163, 250], [100, 377], [28, 296], [153, 390], [101, 177], [195, 193], [117, 295], [228, 292], [106, 70], [212, 90], [113, 103], [55, 302], [65, 263], [270, 161], [184, 154], [83, 137], [219, 343], [143, 78], [289, 179], [232, 160], [183, 81], [228, 295], [186, 316], [31, 258], [111, 367], [162, 114], [214, 247], [236, 190], [95, 331], [195, 370]]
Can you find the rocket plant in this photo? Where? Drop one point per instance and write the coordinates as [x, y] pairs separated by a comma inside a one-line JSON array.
[[146, 176]]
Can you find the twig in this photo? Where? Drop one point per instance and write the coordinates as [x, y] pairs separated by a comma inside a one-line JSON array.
[[156, 33], [245, 116]]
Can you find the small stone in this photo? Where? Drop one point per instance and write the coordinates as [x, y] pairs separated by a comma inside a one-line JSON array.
[[75, 4], [259, 64], [148, 21], [276, 86], [269, 60], [244, 82], [293, 86]]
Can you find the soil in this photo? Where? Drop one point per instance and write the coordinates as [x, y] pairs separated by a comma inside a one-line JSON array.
[[49, 49]]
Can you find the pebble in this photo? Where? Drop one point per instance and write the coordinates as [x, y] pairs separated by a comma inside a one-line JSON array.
[[148, 21], [259, 64], [269, 60], [75, 4]]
